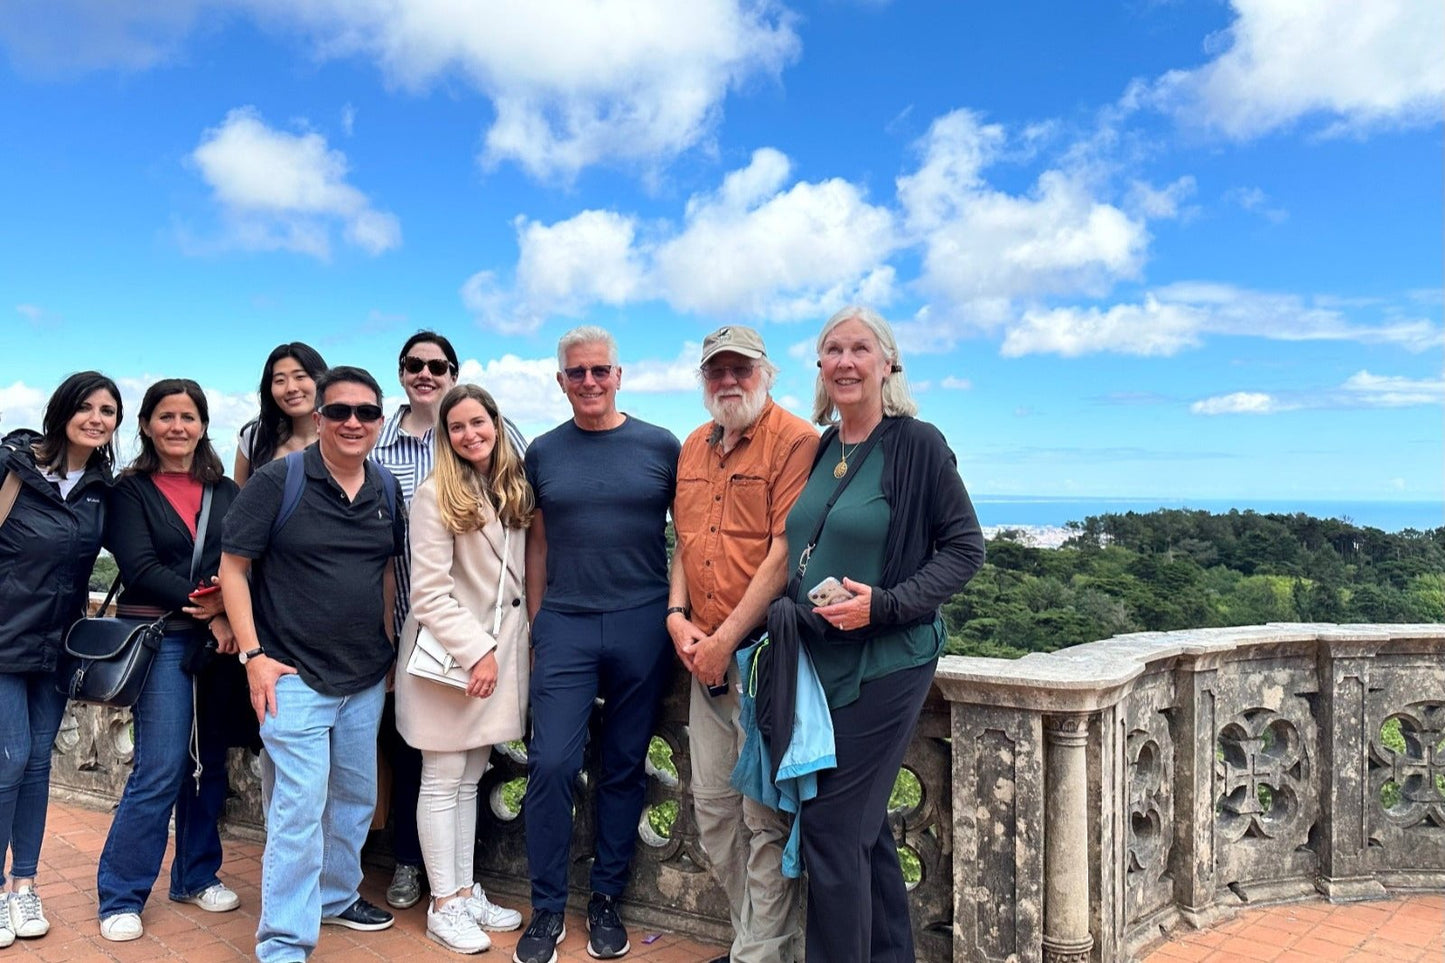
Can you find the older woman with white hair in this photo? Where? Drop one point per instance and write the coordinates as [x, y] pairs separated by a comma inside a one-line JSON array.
[[882, 535]]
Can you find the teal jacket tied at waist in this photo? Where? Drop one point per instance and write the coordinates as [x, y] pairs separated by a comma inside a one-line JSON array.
[[810, 751]]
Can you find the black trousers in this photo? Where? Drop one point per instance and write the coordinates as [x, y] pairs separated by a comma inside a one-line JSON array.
[[857, 901], [405, 785]]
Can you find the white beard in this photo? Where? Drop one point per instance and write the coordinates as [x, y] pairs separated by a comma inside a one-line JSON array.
[[735, 414]]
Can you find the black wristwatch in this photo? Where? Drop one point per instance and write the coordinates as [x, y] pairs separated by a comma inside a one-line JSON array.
[[248, 656], [678, 610]]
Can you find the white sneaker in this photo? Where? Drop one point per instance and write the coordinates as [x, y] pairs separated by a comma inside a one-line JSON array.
[[453, 927], [216, 898], [7, 932], [122, 927], [27, 916], [489, 915]]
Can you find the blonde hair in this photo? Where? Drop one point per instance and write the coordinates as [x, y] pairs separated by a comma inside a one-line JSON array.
[[466, 498], [897, 399]]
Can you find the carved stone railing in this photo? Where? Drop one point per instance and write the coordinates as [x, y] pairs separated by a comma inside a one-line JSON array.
[[1112, 791], [1071, 806]]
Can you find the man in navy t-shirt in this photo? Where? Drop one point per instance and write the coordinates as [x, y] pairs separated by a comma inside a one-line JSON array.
[[596, 591]]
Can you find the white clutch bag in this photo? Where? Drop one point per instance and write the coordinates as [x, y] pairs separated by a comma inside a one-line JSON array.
[[430, 659]]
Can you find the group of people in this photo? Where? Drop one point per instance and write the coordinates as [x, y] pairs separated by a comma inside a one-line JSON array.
[[348, 544]]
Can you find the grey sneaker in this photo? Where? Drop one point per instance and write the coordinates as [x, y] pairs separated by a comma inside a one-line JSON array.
[[405, 889], [539, 943], [27, 916]]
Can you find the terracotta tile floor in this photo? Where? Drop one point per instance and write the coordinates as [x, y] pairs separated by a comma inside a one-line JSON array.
[[75, 835], [1403, 930]]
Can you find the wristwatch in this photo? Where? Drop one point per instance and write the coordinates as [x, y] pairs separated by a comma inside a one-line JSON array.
[[248, 656], [678, 610]]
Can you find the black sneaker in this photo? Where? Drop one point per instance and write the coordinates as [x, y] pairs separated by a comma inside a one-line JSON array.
[[361, 915], [539, 943], [606, 936]]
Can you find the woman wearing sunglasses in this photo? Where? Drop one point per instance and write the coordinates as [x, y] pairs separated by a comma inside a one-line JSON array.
[[155, 519], [55, 484], [288, 396], [468, 538]]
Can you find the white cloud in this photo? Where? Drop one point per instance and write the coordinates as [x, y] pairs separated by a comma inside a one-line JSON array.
[[570, 84], [526, 387], [982, 248], [1385, 391], [282, 191], [1151, 328], [1179, 316], [1357, 65], [21, 406], [1238, 403], [956, 384]]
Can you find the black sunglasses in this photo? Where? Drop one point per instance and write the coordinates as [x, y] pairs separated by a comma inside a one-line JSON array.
[[579, 374], [716, 372], [437, 366], [336, 411]]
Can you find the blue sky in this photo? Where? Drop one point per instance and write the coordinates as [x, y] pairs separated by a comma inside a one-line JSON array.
[[1142, 248]]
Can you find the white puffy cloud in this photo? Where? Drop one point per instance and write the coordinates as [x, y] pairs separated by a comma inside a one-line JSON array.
[[983, 248], [755, 249], [21, 406], [283, 191], [1357, 65], [526, 388], [571, 83], [1179, 316], [1238, 403]]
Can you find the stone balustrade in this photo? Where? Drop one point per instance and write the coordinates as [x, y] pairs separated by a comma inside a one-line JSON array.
[[1071, 806]]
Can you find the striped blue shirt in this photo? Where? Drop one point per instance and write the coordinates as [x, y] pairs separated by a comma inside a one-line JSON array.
[[411, 459]]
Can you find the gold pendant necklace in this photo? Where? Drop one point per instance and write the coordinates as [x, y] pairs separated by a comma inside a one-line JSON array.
[[841, 469]]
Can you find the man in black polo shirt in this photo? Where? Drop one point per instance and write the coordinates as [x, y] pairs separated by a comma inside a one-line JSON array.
[[314, 628]]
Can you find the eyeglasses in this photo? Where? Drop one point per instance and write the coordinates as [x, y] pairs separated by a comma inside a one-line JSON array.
[[579, 374], [437, 366], [716, 372], [336, 411]]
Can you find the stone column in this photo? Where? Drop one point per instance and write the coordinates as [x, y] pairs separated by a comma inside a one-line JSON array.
[[1066, 840]]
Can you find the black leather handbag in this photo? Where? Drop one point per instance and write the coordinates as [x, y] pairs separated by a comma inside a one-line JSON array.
[[107, 659]]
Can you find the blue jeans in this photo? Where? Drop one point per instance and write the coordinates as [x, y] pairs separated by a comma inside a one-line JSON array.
[[323, 749], [30, 712], [161, 781], [625, 657]]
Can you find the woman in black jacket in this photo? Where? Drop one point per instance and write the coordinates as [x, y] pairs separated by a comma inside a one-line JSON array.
[[900, 540], [48, 544], [155, 515]]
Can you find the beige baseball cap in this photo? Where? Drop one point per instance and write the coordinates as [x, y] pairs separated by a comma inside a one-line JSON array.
[[736, 338]]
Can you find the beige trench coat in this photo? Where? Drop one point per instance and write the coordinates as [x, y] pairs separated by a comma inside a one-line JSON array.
[[453, 591]]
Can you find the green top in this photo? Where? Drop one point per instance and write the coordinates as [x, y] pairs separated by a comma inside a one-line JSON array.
[[852, 545]]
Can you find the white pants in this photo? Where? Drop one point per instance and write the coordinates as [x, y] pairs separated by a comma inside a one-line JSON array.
[[446, 816]]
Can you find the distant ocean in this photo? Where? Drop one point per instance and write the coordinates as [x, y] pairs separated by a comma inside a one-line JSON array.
[[1045, 511]]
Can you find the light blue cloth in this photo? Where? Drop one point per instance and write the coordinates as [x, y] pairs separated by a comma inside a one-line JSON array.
[[810, 751]]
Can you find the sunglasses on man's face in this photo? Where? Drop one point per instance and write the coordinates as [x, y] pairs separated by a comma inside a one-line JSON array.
[[717, 372], [437, 366], [336, 411], [579, 374]]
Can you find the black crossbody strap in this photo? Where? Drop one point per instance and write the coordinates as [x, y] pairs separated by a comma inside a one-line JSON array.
[[843, 483], [201, 531]]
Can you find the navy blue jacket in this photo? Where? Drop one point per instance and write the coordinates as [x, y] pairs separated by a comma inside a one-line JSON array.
[[48, 546]]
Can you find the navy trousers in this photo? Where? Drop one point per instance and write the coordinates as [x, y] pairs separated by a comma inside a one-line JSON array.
[[625, 658], [857, 901]]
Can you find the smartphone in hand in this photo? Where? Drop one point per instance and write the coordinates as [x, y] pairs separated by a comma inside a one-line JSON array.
[[202, 591], [828, 592]]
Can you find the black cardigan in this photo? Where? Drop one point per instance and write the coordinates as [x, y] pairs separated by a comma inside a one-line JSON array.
[[152, 545], [934, 546]]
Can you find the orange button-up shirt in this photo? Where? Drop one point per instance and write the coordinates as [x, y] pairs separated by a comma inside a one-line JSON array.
[[730, 506]]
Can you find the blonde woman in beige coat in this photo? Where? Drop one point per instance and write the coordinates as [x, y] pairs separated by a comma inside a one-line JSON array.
[[468, 534]]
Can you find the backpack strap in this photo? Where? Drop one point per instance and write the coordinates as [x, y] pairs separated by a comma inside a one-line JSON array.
[[291, 491], [296, 481]]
